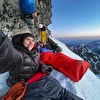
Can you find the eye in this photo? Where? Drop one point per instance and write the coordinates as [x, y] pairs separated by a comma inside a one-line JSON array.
[[32, 40], [29, 39]]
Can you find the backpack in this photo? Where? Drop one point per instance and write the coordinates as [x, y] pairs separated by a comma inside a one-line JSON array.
[[27, 6], [17, 91]]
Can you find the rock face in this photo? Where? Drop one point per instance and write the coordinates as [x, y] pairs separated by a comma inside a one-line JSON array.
[[12, 23]]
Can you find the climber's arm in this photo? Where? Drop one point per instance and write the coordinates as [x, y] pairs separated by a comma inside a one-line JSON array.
[[9, 56]]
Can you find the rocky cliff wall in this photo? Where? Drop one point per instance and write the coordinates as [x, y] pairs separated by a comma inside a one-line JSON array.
[[12, 23]]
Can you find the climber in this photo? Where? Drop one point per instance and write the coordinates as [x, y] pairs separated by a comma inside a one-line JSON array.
[[43, 35], [22, 60], [28, 10], [27, 6]]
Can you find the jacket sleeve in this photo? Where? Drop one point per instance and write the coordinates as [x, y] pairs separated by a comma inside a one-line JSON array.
[[9, 57]]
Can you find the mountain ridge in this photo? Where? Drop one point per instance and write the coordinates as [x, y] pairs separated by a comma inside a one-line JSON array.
[[11, 24]]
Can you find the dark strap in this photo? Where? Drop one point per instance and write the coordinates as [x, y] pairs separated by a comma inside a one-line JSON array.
[[2, 36]]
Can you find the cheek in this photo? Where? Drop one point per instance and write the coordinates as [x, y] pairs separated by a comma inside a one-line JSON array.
[[26, 43], [33, 44]]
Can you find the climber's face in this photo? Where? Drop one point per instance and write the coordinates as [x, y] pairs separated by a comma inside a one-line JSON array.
[[29, 43]]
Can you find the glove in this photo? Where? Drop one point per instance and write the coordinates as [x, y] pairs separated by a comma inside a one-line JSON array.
[[46, 69], [2, 36]]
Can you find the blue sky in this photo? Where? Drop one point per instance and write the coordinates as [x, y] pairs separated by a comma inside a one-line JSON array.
[[75, 18]]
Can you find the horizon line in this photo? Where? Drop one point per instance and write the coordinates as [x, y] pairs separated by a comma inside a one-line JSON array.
[[77, 37]]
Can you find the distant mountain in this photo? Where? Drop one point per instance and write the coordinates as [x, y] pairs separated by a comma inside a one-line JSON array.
[[88, 49], [94, 46], [74, 42], [87, 53]]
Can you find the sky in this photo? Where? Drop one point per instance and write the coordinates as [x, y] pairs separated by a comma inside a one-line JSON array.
[[87, 88], [75, 18]]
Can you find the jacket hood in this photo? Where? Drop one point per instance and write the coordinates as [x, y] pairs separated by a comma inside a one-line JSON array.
[[17, 41]]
